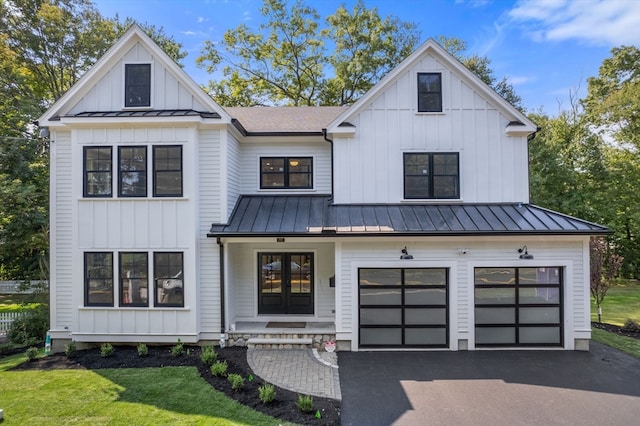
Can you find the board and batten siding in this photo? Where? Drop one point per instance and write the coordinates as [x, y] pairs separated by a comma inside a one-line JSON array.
[[250, 164], [567, 252], [243, 282], [167, 91], [233, 174], [209, 178], [61, 284], [493, 166]]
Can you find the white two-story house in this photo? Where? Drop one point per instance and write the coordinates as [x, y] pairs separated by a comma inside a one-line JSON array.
[[402, 221]]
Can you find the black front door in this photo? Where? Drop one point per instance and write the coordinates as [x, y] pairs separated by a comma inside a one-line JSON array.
[[285, 283]]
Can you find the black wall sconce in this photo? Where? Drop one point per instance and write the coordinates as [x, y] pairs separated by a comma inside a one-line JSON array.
[[524, 253], [405, 254]]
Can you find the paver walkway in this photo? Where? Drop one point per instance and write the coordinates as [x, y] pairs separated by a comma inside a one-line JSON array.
[[298, 370]]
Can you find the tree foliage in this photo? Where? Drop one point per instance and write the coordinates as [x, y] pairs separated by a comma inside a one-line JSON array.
[[604, 268]]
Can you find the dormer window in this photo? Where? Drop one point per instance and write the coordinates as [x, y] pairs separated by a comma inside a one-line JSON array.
[[137, 91], [429, 92]]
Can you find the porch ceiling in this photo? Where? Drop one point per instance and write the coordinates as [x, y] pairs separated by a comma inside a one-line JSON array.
[[314, 215]]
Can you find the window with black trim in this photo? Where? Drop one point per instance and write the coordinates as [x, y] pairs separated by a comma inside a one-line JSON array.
[[168, 275], [98, 279], [430, 175], [137, 85], [286, 172], [167, 171], [132, 171], [134, 279], [429, 92], [97, 171]]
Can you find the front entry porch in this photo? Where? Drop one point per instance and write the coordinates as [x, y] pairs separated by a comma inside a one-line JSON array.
[[266, 335]]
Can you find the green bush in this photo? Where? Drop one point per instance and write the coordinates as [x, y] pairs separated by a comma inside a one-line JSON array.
[[208, 355], [143, 350], [631, 326], [5, 348], [237, 382], [177, 349], [70, 349], [219, 368], [32, 353], [106, 350], [267, 393], [305, 403], [30, 327]]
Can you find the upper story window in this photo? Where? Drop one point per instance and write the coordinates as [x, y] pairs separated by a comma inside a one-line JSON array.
[[97, 171], [137, 92], [429, 92], [431, 175], [132, 171], [286, 172]]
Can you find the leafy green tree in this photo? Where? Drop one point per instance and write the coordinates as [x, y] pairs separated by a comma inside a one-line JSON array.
[[604, 268]]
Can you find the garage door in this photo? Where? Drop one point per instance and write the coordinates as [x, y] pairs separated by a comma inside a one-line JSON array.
[[403, 307], [518, 306]]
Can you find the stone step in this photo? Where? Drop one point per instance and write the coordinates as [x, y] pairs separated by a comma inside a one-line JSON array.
[[279, 343]]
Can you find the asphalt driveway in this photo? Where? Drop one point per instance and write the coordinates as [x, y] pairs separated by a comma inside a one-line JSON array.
[[600, 387]]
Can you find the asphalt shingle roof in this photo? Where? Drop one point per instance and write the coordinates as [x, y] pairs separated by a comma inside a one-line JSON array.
[[285, 119]]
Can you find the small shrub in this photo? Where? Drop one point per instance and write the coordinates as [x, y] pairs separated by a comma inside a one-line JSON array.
[[143, 350], [237, 381], [267, 393], [5, 348], [32, 353], [208, 355], [31, 327], [70, 349], [305, 403], [106, 350], [219, 368], [177, 349], [631, 326]]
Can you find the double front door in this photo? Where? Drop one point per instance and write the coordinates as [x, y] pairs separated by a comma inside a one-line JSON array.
[[285, 283]]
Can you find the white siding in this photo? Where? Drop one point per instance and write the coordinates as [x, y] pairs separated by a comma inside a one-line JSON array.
[[250, 164], [233, 174], [440, 252], [209, 212], [493, 166], [167, 91]]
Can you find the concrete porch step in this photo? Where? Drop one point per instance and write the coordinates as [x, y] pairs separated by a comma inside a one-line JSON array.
[[279, 343]]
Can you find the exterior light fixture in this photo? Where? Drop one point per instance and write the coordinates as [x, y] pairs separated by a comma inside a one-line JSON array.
[[294, 163], [524, 254], [405, 254]]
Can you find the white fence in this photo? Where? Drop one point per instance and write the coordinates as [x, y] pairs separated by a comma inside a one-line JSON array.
[[6, 318]]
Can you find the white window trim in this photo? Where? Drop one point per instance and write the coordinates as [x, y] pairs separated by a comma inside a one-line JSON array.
[[123, 86]]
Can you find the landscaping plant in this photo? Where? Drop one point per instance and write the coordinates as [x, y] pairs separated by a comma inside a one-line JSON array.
[[70, 349], [267, 393], [143, 350], [305, 403], [237, 382], [631, 326], [208, 355], [32, 353], [219, 368], [604, 267], [30, 327], [106, 350], [177, 349]]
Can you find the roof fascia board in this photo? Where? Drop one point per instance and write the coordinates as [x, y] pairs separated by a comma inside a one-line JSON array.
[[430, 46], [133, 35]]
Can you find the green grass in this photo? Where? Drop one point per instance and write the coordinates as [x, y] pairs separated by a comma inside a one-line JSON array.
[[621, 303], [123, 396], [16, 302], [625, 344]]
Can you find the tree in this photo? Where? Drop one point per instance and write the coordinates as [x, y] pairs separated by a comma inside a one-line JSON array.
[[604, 267]]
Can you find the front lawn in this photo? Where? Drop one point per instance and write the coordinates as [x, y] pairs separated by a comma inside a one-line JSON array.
[[621, 303], [123, 396]]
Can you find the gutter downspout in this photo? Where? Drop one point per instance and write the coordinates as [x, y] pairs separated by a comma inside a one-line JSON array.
[[324, 135], [222, 285]]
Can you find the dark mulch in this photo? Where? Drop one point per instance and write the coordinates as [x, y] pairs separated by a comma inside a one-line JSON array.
[[615, 329], [283, 408]]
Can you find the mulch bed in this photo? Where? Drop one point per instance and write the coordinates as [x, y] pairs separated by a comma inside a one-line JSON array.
[[615, 329], [283, 408]]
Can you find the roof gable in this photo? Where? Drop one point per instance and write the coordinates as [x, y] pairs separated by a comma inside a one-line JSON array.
[[133, 44], [520, 124]]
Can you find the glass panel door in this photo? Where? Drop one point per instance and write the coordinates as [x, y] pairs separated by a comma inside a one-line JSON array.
[[285, 283]]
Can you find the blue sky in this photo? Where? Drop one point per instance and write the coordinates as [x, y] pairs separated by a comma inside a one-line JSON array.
[[546, 48]]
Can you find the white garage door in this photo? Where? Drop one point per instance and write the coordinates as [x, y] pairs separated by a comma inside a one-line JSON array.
[[403, 307]]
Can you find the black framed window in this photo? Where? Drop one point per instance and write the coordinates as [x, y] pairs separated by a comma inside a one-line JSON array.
[[403, 307], [518, 306], [132, 171], [134, 279], [167, 171], [98, 279], [168, 275], [431, 175], [429, 92], [286, 172], [97, 167], [137, 85]]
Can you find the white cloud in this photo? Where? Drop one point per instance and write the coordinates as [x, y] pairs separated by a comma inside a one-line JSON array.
[[517, 80], [602, 22], [201, 19]]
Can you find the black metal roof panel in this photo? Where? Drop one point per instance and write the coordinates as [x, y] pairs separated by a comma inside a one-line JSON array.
[[148, 113], [300, 215]]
